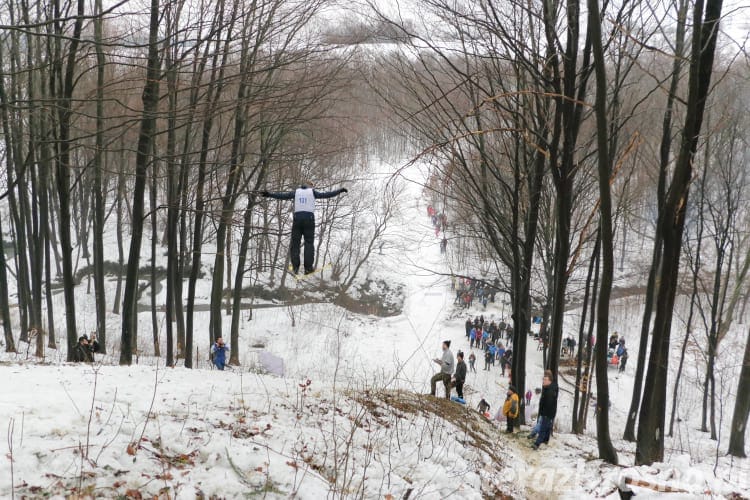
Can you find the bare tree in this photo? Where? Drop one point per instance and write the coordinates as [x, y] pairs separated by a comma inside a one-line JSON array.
[[650, 436], [65, 76], [606, 450], [741, 407], [665, 149], [143, 156]]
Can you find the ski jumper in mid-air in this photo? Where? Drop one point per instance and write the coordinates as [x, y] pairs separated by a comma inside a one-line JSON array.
[[303, 222]]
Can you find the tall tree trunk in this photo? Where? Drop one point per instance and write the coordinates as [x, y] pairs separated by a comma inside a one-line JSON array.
[[145, 139], [650, 437], [227, 207], [173, 299], [688, 332], [10, 345], [665, 149], [214, 91], [154, 279], [589, 360], [118, 233], [98, 192], [606, 450], [30, 208], [16, 166], [741, 407], [578, 425], [63, 168], [234, 336], [569, 86]]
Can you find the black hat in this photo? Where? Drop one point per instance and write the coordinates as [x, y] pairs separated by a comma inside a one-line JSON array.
[[447, 342], [460, 354]]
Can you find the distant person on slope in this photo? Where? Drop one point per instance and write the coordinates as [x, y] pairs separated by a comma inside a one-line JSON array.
[[446, 370], [303, 223], [623, 360], [472, 361]]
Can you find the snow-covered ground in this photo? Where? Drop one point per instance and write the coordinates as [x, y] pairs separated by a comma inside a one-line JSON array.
[[349, 418]]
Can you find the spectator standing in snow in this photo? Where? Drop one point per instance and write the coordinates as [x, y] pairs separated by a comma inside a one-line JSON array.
[[500, 353], [510, 408], [529, 394], [487, 359], [446, 370], [620, 347], [219, 353], [472, 362], [547, 409], [460, 377], [623, 360]]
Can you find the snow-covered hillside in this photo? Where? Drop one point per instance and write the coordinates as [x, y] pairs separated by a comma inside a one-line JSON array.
[[349, 417]]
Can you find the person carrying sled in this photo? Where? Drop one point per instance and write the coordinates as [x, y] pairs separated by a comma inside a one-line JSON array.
[[219, 353], [303, 222]]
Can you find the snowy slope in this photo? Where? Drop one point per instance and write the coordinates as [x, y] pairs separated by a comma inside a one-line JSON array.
[[350, 417]]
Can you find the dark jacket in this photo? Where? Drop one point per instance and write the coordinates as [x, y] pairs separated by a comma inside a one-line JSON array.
[[460, 371], [548, 401], [85, 353], [289, 195]]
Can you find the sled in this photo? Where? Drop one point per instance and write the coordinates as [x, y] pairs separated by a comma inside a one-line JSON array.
[[458, 400]]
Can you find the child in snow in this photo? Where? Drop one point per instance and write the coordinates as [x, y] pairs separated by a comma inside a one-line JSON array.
[[510, 408], [483, 407], [219, 353], [623, 360], [303, 223], [472, 361]]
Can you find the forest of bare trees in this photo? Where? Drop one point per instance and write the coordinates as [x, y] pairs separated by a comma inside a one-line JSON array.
[[563, 139]]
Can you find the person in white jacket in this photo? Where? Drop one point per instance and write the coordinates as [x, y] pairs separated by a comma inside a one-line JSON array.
[[303, 223]]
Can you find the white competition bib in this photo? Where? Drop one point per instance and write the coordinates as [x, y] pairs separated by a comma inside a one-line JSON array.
[[304, 200]]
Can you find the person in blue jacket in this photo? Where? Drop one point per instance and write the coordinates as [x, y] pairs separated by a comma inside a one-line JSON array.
[[303, 222], [219, 353]]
